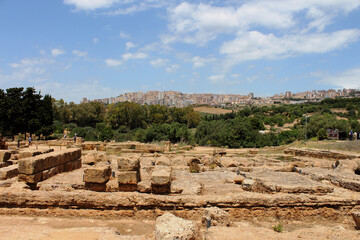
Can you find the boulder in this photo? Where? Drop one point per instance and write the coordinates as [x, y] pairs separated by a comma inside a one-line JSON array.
[[4, 155], [215, 216], [169, 227], [239, 179]]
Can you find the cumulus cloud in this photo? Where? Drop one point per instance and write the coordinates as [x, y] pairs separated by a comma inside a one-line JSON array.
[[159, 62], [256, 45], [199, 23], [125, 57], [90, 4], [347, 79], [95, 40], [113, 62], [172, 68], [79, 53], [56, 52], [201, 62], [129, 45]]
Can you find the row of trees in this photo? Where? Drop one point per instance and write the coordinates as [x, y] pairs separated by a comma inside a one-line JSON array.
[[25, 111]]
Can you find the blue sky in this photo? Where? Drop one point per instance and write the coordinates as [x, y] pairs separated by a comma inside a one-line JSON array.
[[101, 48]]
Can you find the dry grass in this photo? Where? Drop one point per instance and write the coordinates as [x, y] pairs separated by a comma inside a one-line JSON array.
[[211, 110], [351, 146]]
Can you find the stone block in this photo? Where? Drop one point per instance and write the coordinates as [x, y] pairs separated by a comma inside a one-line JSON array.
[[128, 177], [98, 187], [31, 166], [215, 216], [144, 186], [97, 174], [356, 217], [239, 179], [9, 172], [127, 187], [61, 168], [161, 177], [77, 163], [4, 155], [45, 175], [127, 164], [69, 166], [32, 179], [53, 171]]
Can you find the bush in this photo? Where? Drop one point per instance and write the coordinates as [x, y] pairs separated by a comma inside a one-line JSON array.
[[322, 134]]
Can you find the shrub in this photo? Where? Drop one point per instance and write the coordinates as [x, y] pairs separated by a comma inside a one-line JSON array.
[[278, 228]]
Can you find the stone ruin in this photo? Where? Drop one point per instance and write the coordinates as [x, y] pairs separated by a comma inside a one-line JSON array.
[[215, 185]]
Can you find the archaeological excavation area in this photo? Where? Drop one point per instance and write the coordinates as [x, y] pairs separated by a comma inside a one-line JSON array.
[[94, 190]]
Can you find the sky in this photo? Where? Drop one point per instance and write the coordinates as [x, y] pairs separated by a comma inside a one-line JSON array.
[[72, 49]]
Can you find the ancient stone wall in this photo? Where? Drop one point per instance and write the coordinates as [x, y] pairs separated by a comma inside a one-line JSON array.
[[35, 169]]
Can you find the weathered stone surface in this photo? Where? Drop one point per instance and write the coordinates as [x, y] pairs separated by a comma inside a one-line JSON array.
[[162, 160], [9, 172], [128, 177], [144, 186], [99, 174], [179, 161], [356, 217], [128, 164], [318, 153], [31, 165], [95, 157], [97, 187], [288, 182], [215, 216], [247, 184], [33, 179], [239, 179], [161, 177], [169, 227], [4, 155], [127, 187]]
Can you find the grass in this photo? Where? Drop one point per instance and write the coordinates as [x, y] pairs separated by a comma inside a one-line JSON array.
[[278, 228]]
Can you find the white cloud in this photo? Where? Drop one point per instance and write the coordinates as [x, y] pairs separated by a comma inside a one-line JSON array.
[[130, 45], [199, 23], [172, 68], [159, 62], [138, 55], [79, 53], [113, 62], [124, 35], [125, 57], [56, 52], [347, 79], [90, 4], [95, 40], [255, 45], [201, 62], [217, 79]]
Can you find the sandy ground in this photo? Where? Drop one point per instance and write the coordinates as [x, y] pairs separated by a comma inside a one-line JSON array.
[[41, 228]]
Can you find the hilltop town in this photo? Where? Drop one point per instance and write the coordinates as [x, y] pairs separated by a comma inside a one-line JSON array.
[[178, 99]]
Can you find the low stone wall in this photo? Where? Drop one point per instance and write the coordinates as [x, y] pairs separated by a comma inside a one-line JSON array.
[[317, 153], [39, 168]]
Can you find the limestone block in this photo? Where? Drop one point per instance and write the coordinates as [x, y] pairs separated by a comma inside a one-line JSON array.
[[215, 216], [31, 165], [97, 174], [53, 171], [77, 163], [247, 184], [4, 155], [127, 164], [34, 178], [45, 175], [356, 217], [144, 186], [9, 172], [127, 187], [161, 177], [169, 227], [239, 179], [61, 168], [69, 166], [98, 187], [128, 177]]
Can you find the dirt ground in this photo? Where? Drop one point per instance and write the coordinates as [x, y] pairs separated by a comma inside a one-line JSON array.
[[41, 228]]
